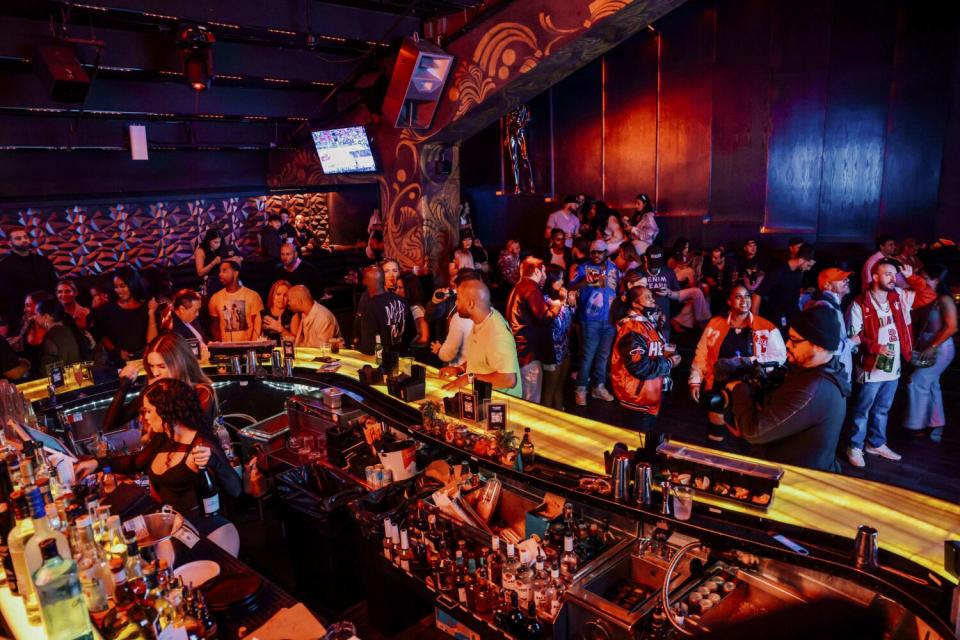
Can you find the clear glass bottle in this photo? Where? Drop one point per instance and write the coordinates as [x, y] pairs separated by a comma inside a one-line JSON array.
[[485, 594], [541, 585], [406, 554], [91, 554], [395, 541], [524, 579], [115, 543], [557, 588], [509, 571], [495, 561], [387, 542], [62, 605], [569, 560], [17, 541], [42, 531]]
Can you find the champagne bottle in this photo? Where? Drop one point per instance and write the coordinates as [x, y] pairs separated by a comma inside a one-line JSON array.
[[208, 493]]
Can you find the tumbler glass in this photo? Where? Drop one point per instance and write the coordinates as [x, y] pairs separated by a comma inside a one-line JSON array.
[[682, 502]]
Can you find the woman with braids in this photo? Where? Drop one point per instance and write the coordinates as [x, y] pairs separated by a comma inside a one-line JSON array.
[[181, 442], [167, 356]]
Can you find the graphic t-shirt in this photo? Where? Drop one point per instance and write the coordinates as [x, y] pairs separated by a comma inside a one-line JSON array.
[[595, 299], [235, 312]]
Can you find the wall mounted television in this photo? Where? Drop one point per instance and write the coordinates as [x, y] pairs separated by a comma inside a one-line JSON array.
[[344, 150]]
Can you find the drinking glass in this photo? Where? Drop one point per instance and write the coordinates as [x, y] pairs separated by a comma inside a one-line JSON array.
[[325, 350], [306, 450], [682, 502], [78, 373]]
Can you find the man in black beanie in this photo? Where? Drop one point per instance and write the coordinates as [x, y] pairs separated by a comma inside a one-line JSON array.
[[800, 422]]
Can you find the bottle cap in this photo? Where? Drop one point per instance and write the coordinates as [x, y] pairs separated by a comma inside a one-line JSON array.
[[48, 549]]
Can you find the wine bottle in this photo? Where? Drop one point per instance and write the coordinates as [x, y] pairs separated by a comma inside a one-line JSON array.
[[208, 493]]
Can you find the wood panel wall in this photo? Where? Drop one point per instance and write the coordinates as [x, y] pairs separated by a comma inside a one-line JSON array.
[[836, 120]]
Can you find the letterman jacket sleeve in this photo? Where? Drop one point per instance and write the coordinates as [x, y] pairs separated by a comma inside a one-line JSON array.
[[699, 364]]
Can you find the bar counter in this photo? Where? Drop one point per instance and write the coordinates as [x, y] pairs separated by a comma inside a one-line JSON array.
[[911, 524]]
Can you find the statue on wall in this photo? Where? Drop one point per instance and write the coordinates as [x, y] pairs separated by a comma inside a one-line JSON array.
[[517, 146]]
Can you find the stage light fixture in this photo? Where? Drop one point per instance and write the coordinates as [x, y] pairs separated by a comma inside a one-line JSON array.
[[196, 55]]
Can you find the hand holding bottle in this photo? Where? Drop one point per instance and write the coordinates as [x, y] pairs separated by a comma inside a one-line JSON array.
[[200, 455]]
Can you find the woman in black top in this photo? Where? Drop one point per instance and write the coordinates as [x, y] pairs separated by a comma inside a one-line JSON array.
[[167, 356], [121, 324], [63, 341], [207, 258], [181, 442], [278, 309]]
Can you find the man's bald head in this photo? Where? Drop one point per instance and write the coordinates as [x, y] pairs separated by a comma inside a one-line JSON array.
[[299, 299], [473, 300]]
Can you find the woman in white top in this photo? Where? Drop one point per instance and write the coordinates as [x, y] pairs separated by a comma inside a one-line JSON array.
[[613, 233]]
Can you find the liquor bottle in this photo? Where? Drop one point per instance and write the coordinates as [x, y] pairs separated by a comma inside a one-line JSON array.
[[517, 622], [115, 545], [223, 435], [461, 580], [62, 607], [42, 531], [509, 571], [208, 493], [569, 561], [17, 541], [123, 596], [13, 470], [501, 614], [446, 573], [26, 464], [92, 557], [485, 595], [387, 542], [495, 561], [541, 585], [378, 351], [557, 588], [406, 554], [524, 579], [526, 448], [94, 595], [134, 568], [533, 630]]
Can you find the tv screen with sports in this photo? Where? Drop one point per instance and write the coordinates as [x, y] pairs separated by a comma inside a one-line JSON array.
[[344, 150]]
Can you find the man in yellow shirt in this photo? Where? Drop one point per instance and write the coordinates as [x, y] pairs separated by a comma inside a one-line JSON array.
[[489, 349]]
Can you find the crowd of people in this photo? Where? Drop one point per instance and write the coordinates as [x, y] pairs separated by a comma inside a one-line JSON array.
[[591, 315]]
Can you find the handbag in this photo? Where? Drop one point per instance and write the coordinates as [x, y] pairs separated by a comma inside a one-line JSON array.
[[917, 361]]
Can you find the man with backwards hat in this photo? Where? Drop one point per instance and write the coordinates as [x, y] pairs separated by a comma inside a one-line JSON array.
[[799, 422], [833, 285], [597, 281]]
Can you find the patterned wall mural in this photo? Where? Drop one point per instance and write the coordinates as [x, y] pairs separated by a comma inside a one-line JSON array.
[[87, 239], [420, 206]]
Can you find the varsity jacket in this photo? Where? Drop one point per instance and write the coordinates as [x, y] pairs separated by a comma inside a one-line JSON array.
[[768, 346], [638, 364]]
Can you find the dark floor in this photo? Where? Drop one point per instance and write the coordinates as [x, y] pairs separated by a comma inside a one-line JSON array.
[[927, 467]]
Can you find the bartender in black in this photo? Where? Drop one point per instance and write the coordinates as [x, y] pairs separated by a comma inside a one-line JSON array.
[[381, 313]]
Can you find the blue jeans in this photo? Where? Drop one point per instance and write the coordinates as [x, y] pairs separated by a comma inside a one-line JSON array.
[[597, 340], [924, 397], [870, 410]]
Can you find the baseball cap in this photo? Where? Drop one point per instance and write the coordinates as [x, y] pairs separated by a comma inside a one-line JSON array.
[[598, 245], [819, 325], [654, 254], [831, 275]]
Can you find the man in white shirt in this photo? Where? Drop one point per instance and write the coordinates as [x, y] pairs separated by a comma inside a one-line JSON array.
[[451, 351], [566, 219]]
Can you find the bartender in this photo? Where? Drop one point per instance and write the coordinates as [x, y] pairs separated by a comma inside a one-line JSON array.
[[490, 349]]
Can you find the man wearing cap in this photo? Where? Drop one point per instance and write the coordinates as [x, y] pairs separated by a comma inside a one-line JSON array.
[[778, 296], [799, 422], [880, 317], [597, 281], [663, 282], [833, 285]]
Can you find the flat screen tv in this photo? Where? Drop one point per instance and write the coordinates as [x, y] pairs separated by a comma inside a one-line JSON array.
[[344, 150]]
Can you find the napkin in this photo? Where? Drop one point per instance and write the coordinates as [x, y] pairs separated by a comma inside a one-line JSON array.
[[290, 622]]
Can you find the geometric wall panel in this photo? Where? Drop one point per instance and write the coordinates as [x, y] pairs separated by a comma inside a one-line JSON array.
[[89, 239]]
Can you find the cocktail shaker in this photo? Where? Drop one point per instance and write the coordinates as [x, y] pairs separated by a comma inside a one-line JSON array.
[[643, 481], [235, 367], [276, 363], [251, 362], [621, 478], [866, 548]]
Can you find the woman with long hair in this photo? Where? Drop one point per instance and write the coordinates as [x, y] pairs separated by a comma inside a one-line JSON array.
[[211, 251], [63, 341], [121, 324], [408, 288], [167, 356], [391, 273], [278, 308], [181, 442], [612, 230], [935, 326]]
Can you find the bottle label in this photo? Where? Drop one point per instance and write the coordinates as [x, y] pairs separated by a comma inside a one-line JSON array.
[[523, 592], [462, 595], [211, 505]]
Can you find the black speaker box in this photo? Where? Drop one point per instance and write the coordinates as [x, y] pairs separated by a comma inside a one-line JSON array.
[[60, 71]]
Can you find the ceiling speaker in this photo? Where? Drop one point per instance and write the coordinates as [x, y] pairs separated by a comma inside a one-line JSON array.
[[416, 84]]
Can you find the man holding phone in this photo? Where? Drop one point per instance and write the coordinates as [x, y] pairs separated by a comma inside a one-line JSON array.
[[597, 282]]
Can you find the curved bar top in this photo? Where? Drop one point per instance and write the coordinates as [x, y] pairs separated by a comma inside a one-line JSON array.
[[911, 525]]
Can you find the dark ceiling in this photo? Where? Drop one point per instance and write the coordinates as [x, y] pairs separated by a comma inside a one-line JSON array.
[[276, 64]]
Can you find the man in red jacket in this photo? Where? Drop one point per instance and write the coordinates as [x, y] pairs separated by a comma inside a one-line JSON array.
[[639, 362], [531, 321], [880, 317]]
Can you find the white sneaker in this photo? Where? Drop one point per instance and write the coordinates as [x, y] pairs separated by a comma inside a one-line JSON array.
[[580, 396], [884, 452], [600, 393], [855, 456]]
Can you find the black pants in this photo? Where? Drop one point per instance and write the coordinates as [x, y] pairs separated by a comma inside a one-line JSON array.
[[638, 420]]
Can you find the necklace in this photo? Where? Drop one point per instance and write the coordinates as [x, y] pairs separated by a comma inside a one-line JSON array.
[[884, 306]]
